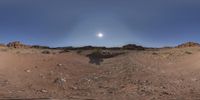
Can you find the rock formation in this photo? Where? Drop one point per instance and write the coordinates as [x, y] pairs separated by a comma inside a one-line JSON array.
[[188, 44], [17, 44], [133, 47]]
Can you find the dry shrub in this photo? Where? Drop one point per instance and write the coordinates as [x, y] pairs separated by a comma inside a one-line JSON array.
[[154, 53], [104, 54], [46, 52], [18, 52], [4, 49], [64, 51], [188, 52], [79, 51], [97, 55]]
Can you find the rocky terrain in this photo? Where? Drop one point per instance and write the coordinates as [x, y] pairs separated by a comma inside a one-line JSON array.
[[99, 74]]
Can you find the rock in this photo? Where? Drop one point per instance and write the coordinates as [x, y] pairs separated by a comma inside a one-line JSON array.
[[165, 93], [17, 44], [10, 92], [42, 76], [28, 70], [44, 91], [188, 44], [59, 64], [60, 81], [163, 87], [51, 73], [36, 66], [133, 47], [194, 79], [73, 87]]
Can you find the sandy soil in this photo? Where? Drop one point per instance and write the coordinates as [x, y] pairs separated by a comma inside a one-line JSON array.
[[165, 74]]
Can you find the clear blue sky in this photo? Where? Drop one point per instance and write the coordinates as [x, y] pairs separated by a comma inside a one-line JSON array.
[[76, 22]]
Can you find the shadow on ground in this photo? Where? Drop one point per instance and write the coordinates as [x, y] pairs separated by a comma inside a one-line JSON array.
[[95, 59]]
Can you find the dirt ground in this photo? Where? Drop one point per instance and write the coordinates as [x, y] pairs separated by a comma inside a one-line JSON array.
[[164, 74]]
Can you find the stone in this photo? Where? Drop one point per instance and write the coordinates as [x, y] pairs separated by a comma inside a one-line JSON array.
[[44, 91], [59, 64], [28, 70], [17, 44], [60, 81]]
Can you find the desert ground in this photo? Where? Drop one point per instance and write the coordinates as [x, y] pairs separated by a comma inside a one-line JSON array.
[[157, 74]]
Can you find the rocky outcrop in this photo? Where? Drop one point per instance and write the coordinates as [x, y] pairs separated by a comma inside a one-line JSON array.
[[17, 44], [133, 47], [188, 44]]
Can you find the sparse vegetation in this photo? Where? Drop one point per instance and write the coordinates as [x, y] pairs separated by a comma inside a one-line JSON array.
[[46, 52], [97, 52], [188, 52], [4, 49], [104, 53], [96, 56], [79, 51], [18, 52], [154, 53], [129, 70], [54, 53], [64, 51]]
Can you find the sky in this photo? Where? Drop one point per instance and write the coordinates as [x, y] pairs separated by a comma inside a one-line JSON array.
[[151, 23]]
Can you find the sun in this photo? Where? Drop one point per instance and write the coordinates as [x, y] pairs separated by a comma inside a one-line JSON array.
[[100, 35]]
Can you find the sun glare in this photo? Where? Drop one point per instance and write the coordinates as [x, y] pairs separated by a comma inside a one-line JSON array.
[[100, 35]]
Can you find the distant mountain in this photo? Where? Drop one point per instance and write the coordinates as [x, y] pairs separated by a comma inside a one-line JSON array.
[[18, 44], [188, 44]]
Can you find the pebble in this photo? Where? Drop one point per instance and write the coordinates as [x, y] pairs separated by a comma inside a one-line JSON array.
[[41, 75], [60, 80], [59, 64], [28, 70], [74, 88], [44, 91]]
